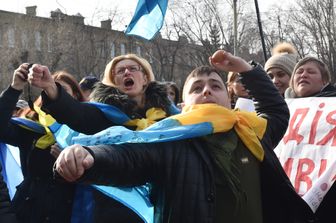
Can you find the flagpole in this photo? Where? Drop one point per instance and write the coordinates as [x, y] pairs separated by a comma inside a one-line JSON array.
[[235, 28], [260, 30]]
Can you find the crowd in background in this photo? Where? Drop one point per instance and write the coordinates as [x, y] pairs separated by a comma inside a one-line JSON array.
[[247, 181]]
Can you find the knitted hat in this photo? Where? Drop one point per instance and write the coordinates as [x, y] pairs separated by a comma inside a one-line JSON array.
[[108, 78], [284, 57]]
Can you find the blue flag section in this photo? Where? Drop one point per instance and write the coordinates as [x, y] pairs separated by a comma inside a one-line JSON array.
[[148, 18], [11, 167], [135, 198], [194, 121]]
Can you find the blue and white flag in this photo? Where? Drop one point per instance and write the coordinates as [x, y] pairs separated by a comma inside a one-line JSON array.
[[148, 18], [11, 167]]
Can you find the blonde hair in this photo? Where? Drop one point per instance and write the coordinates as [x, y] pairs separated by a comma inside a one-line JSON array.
[[108, 77]]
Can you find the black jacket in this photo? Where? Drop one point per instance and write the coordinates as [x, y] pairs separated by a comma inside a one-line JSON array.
[[39, 198], [6, 213], [325, 211], [182, 172], [88, 119]]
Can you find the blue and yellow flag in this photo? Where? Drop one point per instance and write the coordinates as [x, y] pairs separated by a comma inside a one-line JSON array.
[[148, 18], [194, 121]]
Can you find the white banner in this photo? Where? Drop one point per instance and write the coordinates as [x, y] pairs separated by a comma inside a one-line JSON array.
[[307, 151]]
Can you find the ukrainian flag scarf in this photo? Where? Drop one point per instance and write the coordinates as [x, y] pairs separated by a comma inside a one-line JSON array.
[[45, 126], [194, 121]]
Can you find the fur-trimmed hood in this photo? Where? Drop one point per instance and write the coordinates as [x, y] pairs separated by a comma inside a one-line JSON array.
[[156, 96]]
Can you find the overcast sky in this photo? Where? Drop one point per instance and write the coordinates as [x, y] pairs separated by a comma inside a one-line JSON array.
[[92, 8]]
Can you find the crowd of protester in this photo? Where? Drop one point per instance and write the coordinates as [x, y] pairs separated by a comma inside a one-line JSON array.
[[197, 157]]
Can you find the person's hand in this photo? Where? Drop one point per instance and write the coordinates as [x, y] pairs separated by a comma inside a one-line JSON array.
[[55, 150], [225, 61], [40, 76], [20, 77], [72, 162]]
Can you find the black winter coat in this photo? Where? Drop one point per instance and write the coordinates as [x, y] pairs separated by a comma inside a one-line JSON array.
[[88, 119], [6, 213], [182, 172], [39, 198]]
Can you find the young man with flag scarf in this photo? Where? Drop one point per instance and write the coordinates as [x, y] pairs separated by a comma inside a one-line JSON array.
[[208, 164]]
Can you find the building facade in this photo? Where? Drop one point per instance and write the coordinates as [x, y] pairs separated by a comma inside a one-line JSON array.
[[64, 42]]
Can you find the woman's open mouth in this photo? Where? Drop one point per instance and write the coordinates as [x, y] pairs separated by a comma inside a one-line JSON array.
[[128, 82]]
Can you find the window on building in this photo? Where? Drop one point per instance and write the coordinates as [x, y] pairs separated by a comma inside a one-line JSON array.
[[150, 54], [11, 37], [122, 48], [49, 42], [24, 40], [100, 49], [1, 38], [112, 50], [38, 40], [138, 50], [170, 59]]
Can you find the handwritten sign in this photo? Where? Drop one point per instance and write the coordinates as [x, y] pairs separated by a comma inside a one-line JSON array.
[[307, 151]]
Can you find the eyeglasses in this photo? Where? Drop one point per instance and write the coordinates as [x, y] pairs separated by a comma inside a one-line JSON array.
[[131, 68]]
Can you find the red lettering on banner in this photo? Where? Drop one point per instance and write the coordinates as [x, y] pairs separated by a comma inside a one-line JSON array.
[[323, 165], [332, 133], [293, 131], [303, 175], [304, 168], [288, 166], [314, 123]]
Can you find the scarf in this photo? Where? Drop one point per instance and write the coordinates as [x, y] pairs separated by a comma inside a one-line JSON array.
[[152, 115], [249, 127], [194, 121], [46, 126]]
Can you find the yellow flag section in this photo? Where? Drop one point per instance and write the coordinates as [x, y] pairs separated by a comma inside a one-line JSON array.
[[45, 120], [249, 127], [307, 151], [152, 115]]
